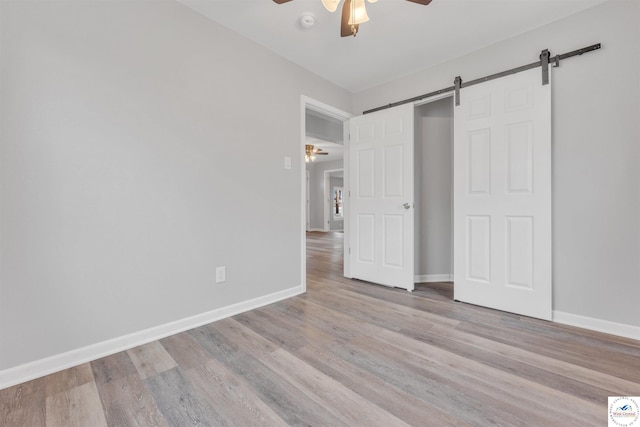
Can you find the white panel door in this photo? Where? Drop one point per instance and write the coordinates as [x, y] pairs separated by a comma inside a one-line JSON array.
[[381, 197], [502, 195]]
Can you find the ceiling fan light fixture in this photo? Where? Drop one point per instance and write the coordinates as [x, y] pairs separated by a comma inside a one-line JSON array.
[[331, 5], [358, 13], [353, 14], [310, 153]]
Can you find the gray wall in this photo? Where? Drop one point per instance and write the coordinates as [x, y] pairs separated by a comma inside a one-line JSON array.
[[434, 230], [132, 160], [316, 190], [596, 150]]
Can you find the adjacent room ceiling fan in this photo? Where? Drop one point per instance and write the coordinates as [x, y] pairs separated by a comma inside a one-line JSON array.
[[310, 154], [354, 13]]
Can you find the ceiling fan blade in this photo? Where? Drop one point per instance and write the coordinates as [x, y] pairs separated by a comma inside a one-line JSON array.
[[321, 153], [281, 1], [347, 30], [422, 2]]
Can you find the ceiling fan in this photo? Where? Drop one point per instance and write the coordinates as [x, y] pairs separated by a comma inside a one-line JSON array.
[[354, 13], [310, 153]]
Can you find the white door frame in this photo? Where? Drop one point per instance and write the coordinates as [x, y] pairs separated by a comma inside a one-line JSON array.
[[328, 110], [306, 201], [327, 196]]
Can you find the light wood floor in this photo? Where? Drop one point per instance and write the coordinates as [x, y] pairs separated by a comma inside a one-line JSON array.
[[346, 353]]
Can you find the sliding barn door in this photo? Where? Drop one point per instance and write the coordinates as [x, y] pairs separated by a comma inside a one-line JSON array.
[[502, 195], [381, 197]]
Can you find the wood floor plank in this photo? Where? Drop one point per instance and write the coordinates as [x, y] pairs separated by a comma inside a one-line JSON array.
[[128, 402], [17, 409], [185, 351], [256, 344], [112, 368], [232, 397], [331, 394], [586, 356], [380, 313], [245, 338], [613, 384], [283, 397], [180, 403], [77, 407], [333, 320], [274, 329], [300, 333], [427, 385], [512, 389], [68, 379], [293, 406], [20, 391], [329, 316], [420, 300], [510, 365], [394, 400], [151, 359], [215, 344]]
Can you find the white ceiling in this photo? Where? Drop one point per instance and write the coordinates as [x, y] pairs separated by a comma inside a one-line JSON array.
[[400, 38]]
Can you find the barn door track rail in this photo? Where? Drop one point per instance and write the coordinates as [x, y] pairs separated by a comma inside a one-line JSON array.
[[545, 60]]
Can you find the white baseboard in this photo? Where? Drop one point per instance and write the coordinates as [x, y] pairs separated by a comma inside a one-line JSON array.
[[613, 328], [430, 278], [316, 229], [59, 362]]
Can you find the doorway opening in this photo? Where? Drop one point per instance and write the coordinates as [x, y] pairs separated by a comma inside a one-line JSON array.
[[433, 158], [333, 198], [433, 193], [325, 128]]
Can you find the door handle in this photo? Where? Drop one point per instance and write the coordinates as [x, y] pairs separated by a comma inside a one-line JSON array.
[[408, 206]]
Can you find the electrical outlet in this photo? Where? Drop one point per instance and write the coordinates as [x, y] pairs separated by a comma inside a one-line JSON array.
[[221, 274]]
